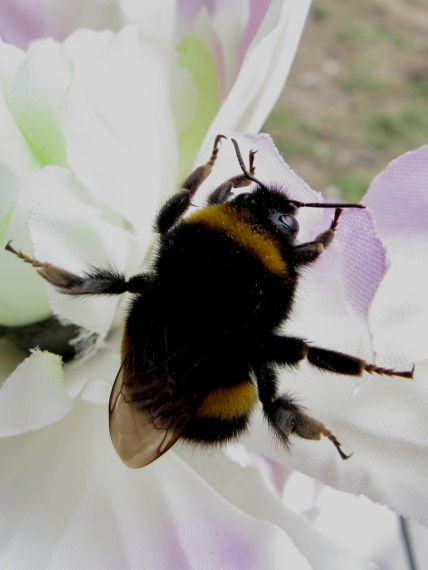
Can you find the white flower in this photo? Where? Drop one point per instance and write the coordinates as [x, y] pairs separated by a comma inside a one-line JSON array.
[[366, 296], [94, 131], [88, 151]]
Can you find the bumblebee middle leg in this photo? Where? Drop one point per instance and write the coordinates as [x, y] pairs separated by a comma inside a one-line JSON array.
[[340, 363], [290, 350], [283, 414]]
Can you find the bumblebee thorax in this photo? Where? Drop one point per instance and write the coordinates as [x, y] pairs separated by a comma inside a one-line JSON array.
[[243, 228]]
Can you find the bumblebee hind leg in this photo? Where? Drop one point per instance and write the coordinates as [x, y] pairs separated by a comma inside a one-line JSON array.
[[285, 417]]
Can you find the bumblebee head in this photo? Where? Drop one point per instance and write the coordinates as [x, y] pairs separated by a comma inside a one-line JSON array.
[[271, 207], [272, 210]]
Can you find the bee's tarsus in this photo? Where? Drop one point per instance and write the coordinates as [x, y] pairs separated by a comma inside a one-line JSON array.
[[22, 256], [215, 150], [327, 433], [342, 454], [335, 221], [373, 369]]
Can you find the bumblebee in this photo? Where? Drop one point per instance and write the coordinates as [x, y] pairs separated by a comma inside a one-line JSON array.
[[201, 344]]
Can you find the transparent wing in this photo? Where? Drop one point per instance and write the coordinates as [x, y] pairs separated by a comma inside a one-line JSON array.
[[146, 416]]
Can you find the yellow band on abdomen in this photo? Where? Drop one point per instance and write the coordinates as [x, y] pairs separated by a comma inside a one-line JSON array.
[[228, 403]]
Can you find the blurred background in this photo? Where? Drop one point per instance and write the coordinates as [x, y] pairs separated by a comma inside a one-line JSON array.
[[357, 94]]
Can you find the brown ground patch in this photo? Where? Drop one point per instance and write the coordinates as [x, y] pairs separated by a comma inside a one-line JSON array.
[[357, 95]]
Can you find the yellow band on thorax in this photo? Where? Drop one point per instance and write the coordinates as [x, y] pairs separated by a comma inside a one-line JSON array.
[[242, 227]]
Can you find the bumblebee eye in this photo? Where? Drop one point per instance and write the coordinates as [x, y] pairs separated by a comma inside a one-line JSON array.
[[290, 222]]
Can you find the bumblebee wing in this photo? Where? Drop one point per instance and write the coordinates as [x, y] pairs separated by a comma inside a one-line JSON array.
[[146, 417]]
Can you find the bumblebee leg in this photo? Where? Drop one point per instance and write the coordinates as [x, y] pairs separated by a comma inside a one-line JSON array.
[[290, 350], [177, 205], [349, 365], [267, 383], [286, 417], [284, 349], [97, 282], [309, 252], [224, 192]]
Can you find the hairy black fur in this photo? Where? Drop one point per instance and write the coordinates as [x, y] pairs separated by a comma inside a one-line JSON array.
[[201, 337]]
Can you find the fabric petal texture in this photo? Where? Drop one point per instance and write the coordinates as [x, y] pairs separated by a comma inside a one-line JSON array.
[[34, 395], [261, 75], [366, 313], [125, 518], [90, 148], [400, 311]]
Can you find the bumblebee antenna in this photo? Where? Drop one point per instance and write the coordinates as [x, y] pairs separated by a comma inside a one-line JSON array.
[[296, 203], [243, 167]]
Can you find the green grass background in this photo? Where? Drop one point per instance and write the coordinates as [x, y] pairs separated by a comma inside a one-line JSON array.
[[357, 95]]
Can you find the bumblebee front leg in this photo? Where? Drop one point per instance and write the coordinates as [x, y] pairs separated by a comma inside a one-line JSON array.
[[286, 417], [177, 205], [309, 252], [96, 282], [224, 192]]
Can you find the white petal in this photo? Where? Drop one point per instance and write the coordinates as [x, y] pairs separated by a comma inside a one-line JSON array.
[[253, 497], [62, 18], [155, 20], [34, 395], [111, 129], [400, 310], [398, 197], [264, 69], [23, 298], [383, 424], [10, 60], [14, 149], [70, 234], [11, 356], [91, 379], [11, 185], [164, 516], [83, 47], [230, 20], [35, 100]]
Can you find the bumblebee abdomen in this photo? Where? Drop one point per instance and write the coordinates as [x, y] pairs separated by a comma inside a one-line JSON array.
[[215, 431], [223, 414], [228, 403]]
